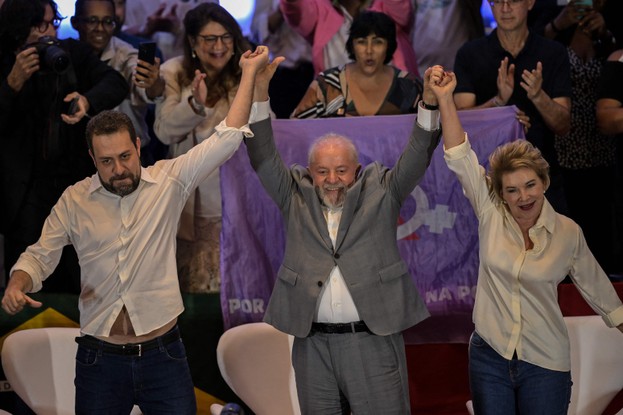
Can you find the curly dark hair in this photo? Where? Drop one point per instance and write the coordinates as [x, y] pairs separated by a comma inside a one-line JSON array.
[[17, 17], [229, 77], [367, 23]]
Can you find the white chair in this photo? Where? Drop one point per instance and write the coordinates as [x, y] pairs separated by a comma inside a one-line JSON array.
[[254, 359], [40, 367], [596, 365]]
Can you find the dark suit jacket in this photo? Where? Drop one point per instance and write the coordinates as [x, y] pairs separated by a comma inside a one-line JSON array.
[[37, 148], [366, 249]]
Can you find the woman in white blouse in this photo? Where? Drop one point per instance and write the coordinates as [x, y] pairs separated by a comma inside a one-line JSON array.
[[519, 353]]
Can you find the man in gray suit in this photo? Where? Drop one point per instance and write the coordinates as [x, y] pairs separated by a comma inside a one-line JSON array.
[[343, 289]]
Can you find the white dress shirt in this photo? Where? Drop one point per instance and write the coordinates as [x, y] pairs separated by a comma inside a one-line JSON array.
[[178, 126], [126, 245]]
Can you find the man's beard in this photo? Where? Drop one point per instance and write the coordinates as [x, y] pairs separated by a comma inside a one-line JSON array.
[[121, 189], [333, 204]]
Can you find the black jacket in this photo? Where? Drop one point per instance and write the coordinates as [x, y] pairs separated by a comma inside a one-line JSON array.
[[36, 147]]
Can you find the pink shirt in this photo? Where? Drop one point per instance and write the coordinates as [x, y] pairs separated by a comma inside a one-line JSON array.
[[317, 21]]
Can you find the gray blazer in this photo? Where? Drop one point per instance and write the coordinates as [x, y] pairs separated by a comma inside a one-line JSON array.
[[366, 249]]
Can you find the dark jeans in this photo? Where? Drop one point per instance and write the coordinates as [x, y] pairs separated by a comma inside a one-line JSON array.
[[509, 387], [158, 381]]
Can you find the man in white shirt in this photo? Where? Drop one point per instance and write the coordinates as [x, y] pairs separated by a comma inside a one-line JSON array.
[[123, 222]]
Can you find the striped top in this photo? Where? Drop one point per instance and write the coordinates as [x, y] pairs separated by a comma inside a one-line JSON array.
[[328, 96]]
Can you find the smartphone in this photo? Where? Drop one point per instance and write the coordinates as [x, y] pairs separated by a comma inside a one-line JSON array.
[[147, 52], [584, 3], [72, 107]]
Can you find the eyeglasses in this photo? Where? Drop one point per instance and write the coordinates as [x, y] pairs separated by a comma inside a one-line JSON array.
[[93, 22], [500, 3], [43, 26], [211, 40]]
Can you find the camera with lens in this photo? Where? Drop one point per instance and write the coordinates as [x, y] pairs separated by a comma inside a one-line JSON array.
[[51, 56]]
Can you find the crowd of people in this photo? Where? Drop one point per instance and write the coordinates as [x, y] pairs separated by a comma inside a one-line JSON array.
[[131, 216]]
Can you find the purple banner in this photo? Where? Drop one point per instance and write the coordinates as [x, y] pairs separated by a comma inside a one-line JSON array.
[[437, 231]]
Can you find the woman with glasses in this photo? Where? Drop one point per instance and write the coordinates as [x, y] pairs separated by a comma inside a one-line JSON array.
[[43, 146], [368, 85], [200, 86]]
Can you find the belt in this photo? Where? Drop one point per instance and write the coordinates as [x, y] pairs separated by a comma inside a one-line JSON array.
[[339, 328], [129, 349]]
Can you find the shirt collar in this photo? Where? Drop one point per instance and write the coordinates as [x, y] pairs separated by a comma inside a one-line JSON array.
[[326, 209], [547, 218]]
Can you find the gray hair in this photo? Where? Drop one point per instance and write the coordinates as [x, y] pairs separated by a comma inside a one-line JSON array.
[[335, 139]]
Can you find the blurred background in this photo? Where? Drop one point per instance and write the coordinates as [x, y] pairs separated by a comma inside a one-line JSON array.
[[242, 10]]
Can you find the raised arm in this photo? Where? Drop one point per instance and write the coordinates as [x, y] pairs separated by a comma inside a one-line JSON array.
[[251, 64], [442, 85], [262, 79]]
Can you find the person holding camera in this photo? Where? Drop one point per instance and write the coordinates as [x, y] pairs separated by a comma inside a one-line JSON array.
[[48, 89]]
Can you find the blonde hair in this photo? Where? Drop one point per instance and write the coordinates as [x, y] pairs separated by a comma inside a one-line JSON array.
[[512, 156]]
